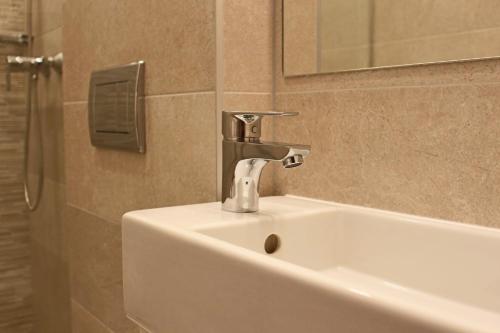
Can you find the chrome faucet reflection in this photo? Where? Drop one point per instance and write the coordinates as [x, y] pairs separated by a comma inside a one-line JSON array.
[[244, 156]]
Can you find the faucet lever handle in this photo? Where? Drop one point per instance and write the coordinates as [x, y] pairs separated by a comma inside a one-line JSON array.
[[246, 125]]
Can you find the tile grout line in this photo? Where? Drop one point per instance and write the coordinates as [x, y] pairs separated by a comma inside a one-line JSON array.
[[206, 92], [247, 93], [41, 33], [87, 311], [45, 33], [453, 85], [93, 214], [188, 93]]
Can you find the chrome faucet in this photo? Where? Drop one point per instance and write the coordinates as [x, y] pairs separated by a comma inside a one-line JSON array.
[[244, 156]]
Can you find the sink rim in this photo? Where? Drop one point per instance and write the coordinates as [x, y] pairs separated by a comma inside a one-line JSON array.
[[192, 236]]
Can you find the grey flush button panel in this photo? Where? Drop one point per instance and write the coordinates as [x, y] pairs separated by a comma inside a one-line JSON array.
[[116, 107]]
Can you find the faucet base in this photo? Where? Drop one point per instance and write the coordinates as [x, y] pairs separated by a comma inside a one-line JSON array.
[[235, 209]]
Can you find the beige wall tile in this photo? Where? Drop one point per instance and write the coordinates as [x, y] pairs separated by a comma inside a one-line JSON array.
[[49, 262], [47, 15], [46, 222], [182, 144], [248, 65], [418, 140], [248, 101], [103, 181], [49, 43], [96, 268], [427, 151], [175, 38], [85, 322], [488, 200], [50, 291], [178, 167], [332, 168]]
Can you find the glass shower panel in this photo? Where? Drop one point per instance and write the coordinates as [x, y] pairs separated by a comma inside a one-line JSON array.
[[16, 313]]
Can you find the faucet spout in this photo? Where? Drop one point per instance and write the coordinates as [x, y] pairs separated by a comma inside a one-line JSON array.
[[243, 163]]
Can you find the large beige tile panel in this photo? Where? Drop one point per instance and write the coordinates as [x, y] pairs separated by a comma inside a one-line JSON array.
[[488, 200], [178, 167], [50, 291], [49, 262], [49, 43], [332, 168], [47, 15], [96, 268], [176, 38], [248, 45], [458, 123], [182, 142], [428, 151], [84, 322], [103, 181], [46, 226], [248, 101]]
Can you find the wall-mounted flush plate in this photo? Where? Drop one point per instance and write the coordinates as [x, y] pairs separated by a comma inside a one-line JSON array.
[[116, 107]]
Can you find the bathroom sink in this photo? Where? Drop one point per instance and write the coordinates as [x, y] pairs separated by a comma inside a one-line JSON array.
[[303, 265]]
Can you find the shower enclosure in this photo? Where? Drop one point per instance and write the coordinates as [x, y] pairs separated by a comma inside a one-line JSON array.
[[34, 292], [16, 308]]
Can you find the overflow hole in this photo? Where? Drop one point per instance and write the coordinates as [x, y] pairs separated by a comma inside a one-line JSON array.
[[272, 243]]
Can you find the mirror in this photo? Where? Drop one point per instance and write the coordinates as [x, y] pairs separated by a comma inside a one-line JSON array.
[[324, 36]]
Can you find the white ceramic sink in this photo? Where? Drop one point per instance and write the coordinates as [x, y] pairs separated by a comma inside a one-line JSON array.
[[338, 268]]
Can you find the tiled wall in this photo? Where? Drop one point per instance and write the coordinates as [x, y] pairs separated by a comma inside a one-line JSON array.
[[16, 313], [176, 38], [49, 259], [366, 148], [421, 140]]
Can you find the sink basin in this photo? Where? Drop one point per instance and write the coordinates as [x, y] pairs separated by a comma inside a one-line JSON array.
[[303, 265]]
